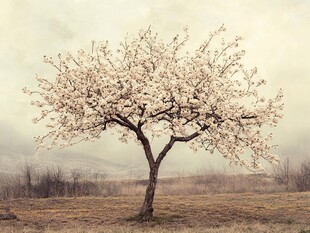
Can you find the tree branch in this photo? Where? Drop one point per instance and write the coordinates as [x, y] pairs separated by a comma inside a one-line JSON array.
[[129, 124], [163, 111], [146, 147], [163, 153], [190, 137], [248, 117]]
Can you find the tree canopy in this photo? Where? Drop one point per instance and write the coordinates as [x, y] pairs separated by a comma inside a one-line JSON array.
[[205, 97]]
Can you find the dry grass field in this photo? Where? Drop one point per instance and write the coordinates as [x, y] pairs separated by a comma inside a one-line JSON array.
[[246, 212]]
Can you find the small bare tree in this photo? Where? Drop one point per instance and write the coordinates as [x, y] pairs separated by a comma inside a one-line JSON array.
[[75, 175], [58, 178], [282, 174], [302, 177], [28, 176]]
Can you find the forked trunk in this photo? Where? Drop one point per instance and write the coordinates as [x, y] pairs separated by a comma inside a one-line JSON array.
[[146, 211]]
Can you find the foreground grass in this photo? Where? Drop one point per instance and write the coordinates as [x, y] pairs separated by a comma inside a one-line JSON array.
[[284, 212], [233, 228]]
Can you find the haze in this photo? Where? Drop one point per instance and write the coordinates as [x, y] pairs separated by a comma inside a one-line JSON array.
[[276, 39]]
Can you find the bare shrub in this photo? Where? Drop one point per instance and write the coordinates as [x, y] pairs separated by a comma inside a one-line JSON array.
[[297, 179], [12, 186], [302, 177], [43, 187], [48, 182], [282, 173], [28, 173], [59, 181], [83, 183], [5, 186], [51, 182]]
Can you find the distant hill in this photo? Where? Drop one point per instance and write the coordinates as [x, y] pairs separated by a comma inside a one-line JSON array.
[[83, 162], [12, 162]]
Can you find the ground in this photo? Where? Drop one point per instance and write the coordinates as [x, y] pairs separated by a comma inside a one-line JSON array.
[[286, 212]]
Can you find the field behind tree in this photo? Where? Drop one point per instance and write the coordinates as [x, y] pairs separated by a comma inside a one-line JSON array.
[[244, 212]]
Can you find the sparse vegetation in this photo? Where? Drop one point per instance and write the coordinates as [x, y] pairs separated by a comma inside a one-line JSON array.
[[283, 174], [48, 182], [302, 177], [33, 182], [294, 179]]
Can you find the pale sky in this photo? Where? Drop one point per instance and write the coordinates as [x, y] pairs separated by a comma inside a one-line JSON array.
[[276, 38]]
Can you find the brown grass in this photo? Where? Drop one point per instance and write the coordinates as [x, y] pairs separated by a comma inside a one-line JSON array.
[[234, 228], [285, 212]]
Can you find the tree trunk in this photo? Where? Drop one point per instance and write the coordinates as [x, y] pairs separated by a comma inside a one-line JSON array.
[[146, 211]]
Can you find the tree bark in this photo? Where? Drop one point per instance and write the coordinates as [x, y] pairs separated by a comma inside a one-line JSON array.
[[146, 211]]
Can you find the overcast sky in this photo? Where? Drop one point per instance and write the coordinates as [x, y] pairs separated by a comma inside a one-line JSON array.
[[276, 38]]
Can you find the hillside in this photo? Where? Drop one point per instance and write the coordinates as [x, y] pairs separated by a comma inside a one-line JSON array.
[[10, 162]]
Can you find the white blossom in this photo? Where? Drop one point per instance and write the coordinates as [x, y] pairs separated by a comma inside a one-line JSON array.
[[205, 97]]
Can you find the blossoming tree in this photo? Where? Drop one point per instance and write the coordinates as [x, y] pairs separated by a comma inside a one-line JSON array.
[[148, 88]]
